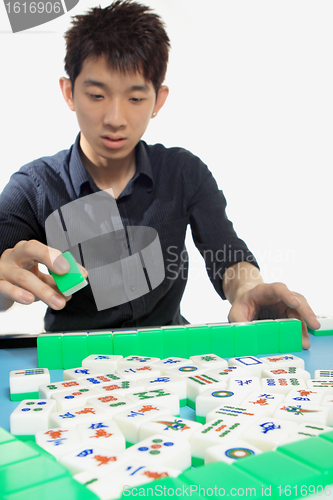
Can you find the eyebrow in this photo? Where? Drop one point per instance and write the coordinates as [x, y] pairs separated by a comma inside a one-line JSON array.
[[90, 82]]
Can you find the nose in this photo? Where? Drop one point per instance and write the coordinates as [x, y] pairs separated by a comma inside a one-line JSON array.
[[115, 116]]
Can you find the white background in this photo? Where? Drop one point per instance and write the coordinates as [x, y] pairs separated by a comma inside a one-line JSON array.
[[250, 93]]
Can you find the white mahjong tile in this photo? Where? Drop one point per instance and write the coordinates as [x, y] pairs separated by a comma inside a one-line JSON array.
[[79, 373], [104, 434], [212, 398], [70, 418], [321, 384], [323, 374], [129, 421], [306, 430], [111, 404], [58, 442], [214, 432], [87, 458], [138, 372], [283, 385], [97, 380], [328, 403], [287, 371], [178, 428], [46, 391], [31, 416], [172, 362], [104, 363], [113, 376], [185, 370], [282, 360], [25, 381], [248, 384], [240, 413], [73, 398], [255, 365], [231, 371], [304, 396], [135, 472], [154, 397], [196, 384], [162, 450], [299, 412], [269, 401], [136, 361], [120, 387], [171, 383], [230, 452], [210, 361], [267, 432]]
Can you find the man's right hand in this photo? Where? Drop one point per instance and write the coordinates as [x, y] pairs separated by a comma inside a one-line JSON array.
[[22, 281]]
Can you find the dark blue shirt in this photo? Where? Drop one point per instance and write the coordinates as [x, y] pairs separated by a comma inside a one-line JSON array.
[[170, 190]]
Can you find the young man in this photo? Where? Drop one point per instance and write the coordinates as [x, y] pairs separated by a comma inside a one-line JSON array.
[[116, 62]]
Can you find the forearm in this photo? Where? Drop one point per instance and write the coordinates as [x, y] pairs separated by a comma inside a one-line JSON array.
[[239, 278]]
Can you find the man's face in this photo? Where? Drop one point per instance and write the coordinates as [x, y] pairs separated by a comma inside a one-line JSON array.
[[113, 111]]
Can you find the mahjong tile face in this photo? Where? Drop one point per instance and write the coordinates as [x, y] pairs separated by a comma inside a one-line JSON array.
[[138, 372], [255, 365], [136, 361], [283, 385], [105, 434], [172, 362], [46, 391], [162, 450], [230, 371], [267, 432], [171, 383], [79, 373], [287, 371], [31, 416], [157, 397], [28, 381], [110, 403], [172, 427], [230, 452], [328, 403], [89, 457], [304, 396], [210, 361], [268, 401], [105, 363], [71, 418], [185, 370], [131, 420], [299, 412], [97, 380], [58, 442], [212, 398], [307, 430], [322, 384], [135, 472], [73, 397], [239, 413], [196, 384], [323, 374], [120, 387], [247, 384], [283, 360]]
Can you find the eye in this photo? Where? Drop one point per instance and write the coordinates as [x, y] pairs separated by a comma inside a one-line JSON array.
[[136, 99], [96, 96]]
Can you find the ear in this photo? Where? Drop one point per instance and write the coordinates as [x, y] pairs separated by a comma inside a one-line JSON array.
[[162, 95], [66, 89]]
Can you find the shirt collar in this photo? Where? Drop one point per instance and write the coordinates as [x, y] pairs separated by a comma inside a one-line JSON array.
[[81, 179]]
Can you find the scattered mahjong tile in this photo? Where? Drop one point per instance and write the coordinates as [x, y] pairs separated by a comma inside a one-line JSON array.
[[73, 398], [282, 384], [170, 426], [91, 457], [97, 380], [136, 361], [104, 363], [31, 416], [196, 384], [269, 401], [130, 421], [267, 432], [24, 384], [328, 403], [231, 371], [287, 371], [120, 387], [171, 383], [138, 372], [185, 370], [212, 398], [71, 418], [162, 450], [111, 404], [58, 442], [79, 373], [323, 374], [157, 397], [247, 384], [241, 413], [255, 365], [218, 431], [322, 384], [210, 361], [298, 412], [304, 396], [283, 360], [230, 452], [46, 391], [304, 431], [172, 362], [104, 434]]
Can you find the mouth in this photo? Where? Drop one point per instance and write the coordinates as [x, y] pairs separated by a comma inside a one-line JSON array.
[[113, 142]]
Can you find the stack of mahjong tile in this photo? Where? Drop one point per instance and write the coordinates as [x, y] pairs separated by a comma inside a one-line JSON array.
[[115, 421]]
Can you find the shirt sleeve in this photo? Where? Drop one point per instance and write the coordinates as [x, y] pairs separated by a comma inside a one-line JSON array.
[[213, 233], [19, 209]]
